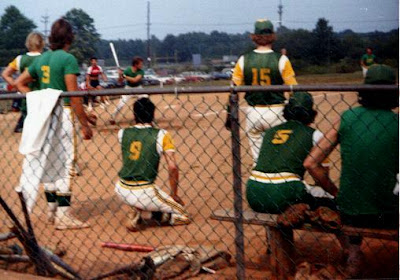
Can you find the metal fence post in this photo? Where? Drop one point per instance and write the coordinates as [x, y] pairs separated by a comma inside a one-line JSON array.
[[237, 184]]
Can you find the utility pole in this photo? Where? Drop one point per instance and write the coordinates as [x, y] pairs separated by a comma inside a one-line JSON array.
[[280, 12], [148, 35], [45, 20]]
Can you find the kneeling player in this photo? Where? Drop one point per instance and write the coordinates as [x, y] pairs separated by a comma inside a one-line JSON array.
[[142, 146]]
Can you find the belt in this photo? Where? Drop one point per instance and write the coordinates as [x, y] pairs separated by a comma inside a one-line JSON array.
[[134, 184], [274, 178]]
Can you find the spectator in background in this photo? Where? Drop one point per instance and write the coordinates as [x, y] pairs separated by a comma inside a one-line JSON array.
[[369, 145], [283, 51], [35, 44], [93, 73], [367, 60], [262, 67]]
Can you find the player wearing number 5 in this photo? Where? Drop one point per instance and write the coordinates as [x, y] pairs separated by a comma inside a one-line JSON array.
[[276, 181], [142, 147], [263, 66]]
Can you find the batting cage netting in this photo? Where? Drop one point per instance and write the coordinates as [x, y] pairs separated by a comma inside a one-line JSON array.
[[115, 214]]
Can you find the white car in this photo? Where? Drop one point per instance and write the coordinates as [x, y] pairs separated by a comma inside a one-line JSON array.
[[112, 74]]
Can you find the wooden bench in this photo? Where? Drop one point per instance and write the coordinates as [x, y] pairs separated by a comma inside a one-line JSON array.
[[281, 243]]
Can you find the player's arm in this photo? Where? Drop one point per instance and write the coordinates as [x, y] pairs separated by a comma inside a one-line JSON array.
[[22, 82], [286, 70], [77, 106], [314, 162], [238, 75], [136, 79], [7, 75]]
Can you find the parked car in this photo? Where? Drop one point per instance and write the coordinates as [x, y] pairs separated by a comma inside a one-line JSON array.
[[195, 76], [166, 80], [228, 71], [112, 74], [150, 80], [220, 76]]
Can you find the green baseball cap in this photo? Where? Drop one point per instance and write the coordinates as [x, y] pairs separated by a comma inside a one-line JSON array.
[[263, 27], [301, 99], [380, 74]]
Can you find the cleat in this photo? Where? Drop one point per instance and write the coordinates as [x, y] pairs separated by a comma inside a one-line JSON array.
[[66, 221]]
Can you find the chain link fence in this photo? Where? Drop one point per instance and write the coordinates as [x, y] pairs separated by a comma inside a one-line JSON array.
[[214, 164]]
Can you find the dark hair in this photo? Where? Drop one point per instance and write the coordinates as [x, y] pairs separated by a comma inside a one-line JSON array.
[[386, 100], [136, 60], [299, 113], [61, 34], [143, 110], [93, 57], [263, 40]]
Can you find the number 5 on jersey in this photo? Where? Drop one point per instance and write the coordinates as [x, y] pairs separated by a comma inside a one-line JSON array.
[[281, 136], [135, 149]]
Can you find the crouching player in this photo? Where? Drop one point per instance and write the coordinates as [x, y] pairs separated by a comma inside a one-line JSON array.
[[142, 146]]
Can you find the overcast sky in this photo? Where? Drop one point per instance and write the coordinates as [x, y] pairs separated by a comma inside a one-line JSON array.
[[126, 19]]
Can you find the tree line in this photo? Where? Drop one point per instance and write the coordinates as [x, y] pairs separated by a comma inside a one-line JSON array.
[[320, 49]]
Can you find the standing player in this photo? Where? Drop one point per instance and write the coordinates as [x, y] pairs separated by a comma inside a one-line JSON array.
[[35, 44], [133, 75], [55, 69], [263, 66], [142, 146], [92, 82], [367, 60]]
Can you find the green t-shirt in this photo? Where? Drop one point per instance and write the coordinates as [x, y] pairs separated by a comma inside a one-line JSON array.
[[285, 147], [139, 154], [129, 72], [50, 70], [368, 59], [262, 69], [369, 143]]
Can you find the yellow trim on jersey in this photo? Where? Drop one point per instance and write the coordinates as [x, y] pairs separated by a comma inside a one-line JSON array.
[[288, 75], [274, 178], [168, 142], [237, 75], [14, 64], [268, 106]]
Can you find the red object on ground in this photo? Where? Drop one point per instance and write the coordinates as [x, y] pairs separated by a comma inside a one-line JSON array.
[[127, 247]]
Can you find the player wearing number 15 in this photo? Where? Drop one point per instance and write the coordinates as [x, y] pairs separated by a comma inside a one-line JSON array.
[[263, 66]]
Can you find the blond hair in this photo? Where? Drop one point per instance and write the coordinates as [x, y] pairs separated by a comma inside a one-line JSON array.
[[34, 41]]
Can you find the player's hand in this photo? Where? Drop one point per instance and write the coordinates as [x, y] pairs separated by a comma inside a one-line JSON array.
[[87, 132], [177, 199]]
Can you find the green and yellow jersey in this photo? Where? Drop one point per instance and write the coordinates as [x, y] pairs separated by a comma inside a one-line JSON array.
[[142, 146], [263, 68], [368, 59], [50, 69]]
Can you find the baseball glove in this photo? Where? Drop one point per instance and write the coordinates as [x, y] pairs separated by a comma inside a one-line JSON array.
[[294, 215], [326, 218], [92, 119]]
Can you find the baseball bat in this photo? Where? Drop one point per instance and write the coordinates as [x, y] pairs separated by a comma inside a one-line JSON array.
[[128, 247], [114, 54]]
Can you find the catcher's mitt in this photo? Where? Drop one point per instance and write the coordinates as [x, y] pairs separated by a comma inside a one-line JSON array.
[[92, 119], [294, 215], [326, 218]]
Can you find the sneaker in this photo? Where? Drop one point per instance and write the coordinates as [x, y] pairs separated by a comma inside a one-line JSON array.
[[66, 221], [132, 221], [112, 122]]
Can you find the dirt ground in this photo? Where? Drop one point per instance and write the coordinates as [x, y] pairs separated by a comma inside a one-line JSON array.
[[196, 123]]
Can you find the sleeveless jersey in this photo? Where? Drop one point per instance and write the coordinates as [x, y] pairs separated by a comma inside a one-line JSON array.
[[51, 67], [21, 62], [139, 154], [285, 147], [369, 144], [262, 69], [368, 59], [128, 72]]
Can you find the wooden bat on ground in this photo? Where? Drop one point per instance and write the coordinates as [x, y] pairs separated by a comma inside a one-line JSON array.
[[127, 247]]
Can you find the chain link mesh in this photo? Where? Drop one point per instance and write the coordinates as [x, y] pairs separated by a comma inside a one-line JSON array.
[[204, 157]]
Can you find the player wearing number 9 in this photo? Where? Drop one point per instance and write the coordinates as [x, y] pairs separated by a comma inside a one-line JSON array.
[[276, 182], [263, 67], [142, 147]]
